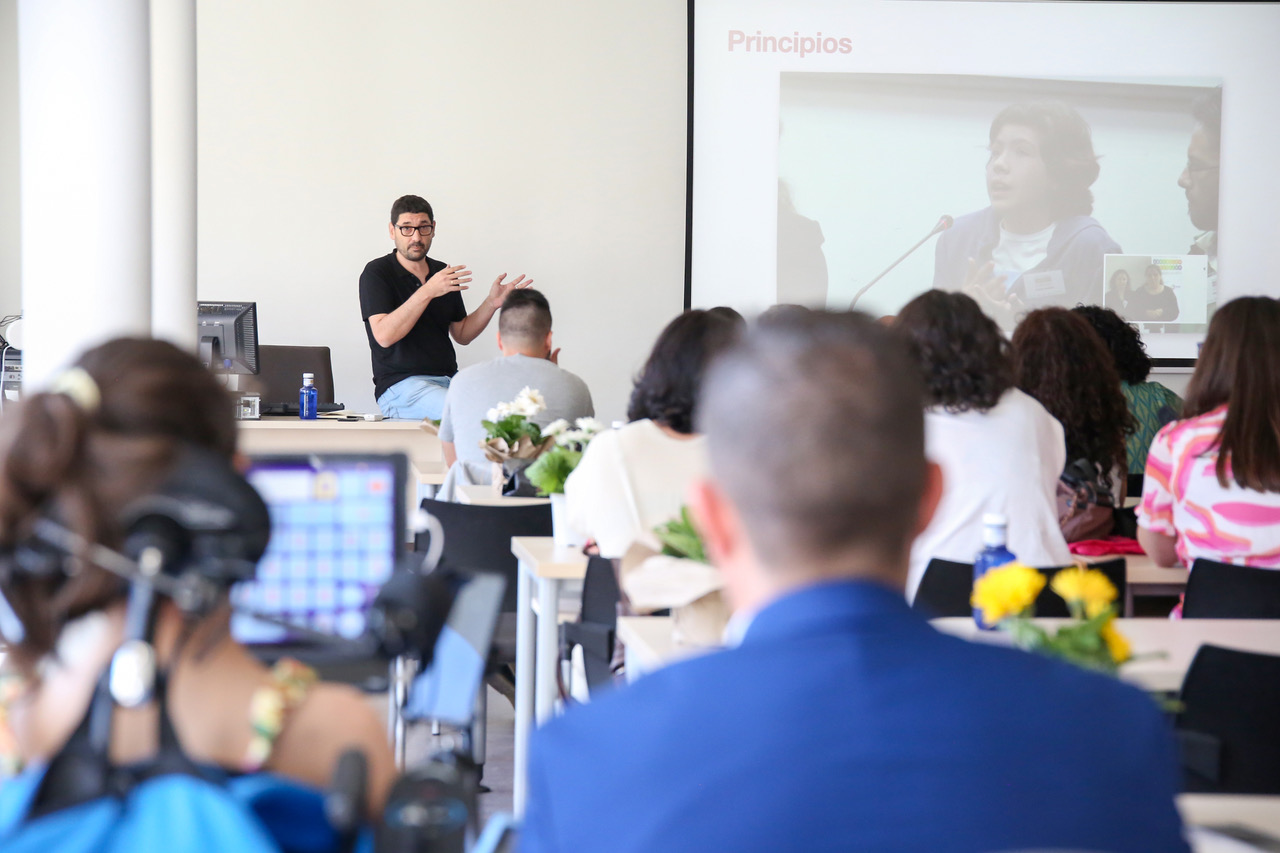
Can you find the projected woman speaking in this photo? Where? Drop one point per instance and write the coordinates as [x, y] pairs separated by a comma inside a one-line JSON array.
[[1036, 244]]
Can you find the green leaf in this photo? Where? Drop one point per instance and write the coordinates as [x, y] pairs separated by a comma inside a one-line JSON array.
[[550, 470], [680, 538]]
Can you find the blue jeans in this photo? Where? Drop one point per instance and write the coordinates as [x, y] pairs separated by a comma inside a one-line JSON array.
[[415, 398]]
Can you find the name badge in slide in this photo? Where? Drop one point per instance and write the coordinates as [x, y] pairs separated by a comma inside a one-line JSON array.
[[1044, 285]]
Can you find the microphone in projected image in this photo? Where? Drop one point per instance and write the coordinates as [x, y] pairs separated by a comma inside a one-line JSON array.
[[944, 222]]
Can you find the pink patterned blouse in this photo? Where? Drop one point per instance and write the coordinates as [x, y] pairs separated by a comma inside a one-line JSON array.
[[1181, 497]]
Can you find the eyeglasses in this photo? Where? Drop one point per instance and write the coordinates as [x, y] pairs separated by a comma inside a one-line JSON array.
[[423, 230]]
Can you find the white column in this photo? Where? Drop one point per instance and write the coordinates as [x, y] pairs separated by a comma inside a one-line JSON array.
[[173, 171], [85, 148]]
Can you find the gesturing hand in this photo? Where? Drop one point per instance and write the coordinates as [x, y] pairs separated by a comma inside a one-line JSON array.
[[987, 289], [498, 291], [449, 280]]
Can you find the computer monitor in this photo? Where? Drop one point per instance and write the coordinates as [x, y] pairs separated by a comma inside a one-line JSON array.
[[337, 524], [228, 336]]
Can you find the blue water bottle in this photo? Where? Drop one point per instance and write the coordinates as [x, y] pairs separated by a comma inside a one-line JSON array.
[[307, 397], [994, 554]]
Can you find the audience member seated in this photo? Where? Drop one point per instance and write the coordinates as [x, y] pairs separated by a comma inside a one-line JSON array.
[[1212, 486], [843, 721], [630, 480], [1151, 404], [527, 361], [1152, 301], [80, 453], [999, 450], [1059, 359]]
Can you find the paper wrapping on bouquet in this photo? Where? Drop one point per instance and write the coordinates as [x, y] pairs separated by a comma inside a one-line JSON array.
[[654, 581], [509, 459]]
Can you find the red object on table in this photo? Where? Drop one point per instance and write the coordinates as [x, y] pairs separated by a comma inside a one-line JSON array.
[[1109, 545]]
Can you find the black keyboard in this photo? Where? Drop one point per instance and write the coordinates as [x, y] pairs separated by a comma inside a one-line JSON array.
[[292, 408]]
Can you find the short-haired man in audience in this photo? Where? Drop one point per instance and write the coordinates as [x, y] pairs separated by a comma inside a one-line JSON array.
[[843, 721], [527, 361], [412, 305]]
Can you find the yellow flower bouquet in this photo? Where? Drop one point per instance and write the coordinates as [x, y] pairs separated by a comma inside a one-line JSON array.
[[1006, 597]]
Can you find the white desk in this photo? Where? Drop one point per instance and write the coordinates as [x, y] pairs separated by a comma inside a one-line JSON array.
[[650, 645], [485, 496], [543, 570]]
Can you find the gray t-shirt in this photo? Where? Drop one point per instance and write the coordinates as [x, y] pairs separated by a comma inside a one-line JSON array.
[[477, 389]]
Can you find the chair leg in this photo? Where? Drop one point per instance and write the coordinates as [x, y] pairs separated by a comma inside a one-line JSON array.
[[480, 725]]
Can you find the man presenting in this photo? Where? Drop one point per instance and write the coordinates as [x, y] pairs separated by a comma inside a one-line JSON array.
[[843, 720], [412, 305]]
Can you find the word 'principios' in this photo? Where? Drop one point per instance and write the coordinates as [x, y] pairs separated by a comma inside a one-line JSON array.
[[795, 43]]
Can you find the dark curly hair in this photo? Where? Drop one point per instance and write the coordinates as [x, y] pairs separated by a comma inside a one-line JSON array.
[[1122, 338], [1066, 146], [667, 388], [962, 355], [1059, 359]]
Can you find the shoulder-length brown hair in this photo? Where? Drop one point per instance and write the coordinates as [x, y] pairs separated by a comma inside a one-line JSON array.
[[963, 358], [1239, 366], [1059, 359], [82, 463]]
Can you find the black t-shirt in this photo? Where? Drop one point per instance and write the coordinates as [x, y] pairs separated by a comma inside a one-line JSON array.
[[385, 285], [1140, 302]]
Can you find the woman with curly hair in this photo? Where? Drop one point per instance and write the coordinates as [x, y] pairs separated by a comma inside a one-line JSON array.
[[1151, 404], [1059, 359], [632, 479], [999, 450], [1212, 486], [1036, 243]]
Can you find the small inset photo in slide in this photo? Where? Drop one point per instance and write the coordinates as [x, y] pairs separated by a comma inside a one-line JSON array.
[[1162, 293]]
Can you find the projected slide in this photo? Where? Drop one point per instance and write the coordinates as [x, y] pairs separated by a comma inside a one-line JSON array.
[[1041, 181], [1040, 153]]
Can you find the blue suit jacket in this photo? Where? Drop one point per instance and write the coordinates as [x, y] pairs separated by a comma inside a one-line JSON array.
[[845, 722]]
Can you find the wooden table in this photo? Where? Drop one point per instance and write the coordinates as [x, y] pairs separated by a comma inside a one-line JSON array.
[[543, 570], [285, 435], [650, 645], [1177, 639], [485, 496], [1144, 577], [1259, 813]]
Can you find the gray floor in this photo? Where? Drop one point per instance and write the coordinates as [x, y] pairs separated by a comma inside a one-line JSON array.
[[499, 763]]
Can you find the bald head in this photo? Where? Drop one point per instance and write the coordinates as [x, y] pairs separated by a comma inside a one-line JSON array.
[[815, 429]]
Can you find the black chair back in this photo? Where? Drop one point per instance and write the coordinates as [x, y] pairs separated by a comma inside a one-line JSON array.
[[478, 538], [1223, 591], [280, 372], [1229, 727], [596, 627], [947, 586]]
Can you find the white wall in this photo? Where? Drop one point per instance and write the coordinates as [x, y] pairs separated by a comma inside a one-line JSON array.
[[549, 137], [10, 230]]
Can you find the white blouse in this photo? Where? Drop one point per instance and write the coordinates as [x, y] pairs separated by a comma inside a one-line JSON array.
[[629, 481], [1006, 460]]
